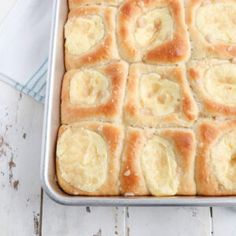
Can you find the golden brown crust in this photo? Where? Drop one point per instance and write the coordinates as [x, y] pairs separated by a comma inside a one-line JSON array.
[[202, 46], [186, 111], [197, 74], [76, 3], [174, 50], [132, 176], [208, 134], [185, 145], [113, 136], [103, 51], [116, 73]]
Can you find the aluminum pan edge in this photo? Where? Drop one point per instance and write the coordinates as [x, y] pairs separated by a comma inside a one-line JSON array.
[[51, 124]]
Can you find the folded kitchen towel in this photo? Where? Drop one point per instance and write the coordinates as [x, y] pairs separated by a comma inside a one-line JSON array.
[[24, 44]]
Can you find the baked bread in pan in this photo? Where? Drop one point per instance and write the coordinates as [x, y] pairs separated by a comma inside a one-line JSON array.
[[214, 83], [90, 36], [148, 102], [212, 26], [76, 3], [94, 93], [159, 96], [160, 162], [216, 158], [153, 31], [88, 158]]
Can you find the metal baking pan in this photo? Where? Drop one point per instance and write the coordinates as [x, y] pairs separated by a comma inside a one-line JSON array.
[[52, 123]]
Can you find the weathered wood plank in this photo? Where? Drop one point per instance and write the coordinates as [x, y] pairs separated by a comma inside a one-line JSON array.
[[84, 221], [224, 221], [20, 143], [168, 221]]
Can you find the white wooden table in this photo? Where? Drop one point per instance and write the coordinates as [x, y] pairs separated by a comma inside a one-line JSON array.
[[25, 210]]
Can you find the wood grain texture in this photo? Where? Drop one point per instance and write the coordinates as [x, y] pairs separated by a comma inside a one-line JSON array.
[[84, 221], [168, 221], [224, 219]]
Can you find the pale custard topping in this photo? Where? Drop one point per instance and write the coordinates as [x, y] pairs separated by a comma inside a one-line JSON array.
[[154, 28], [82, 33], [89, 87], [217, 22], [160, 167], [223, 156], [220, 83], [82, 159], [158, 96]]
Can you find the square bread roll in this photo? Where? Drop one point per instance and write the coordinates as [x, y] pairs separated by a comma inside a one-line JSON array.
[[94, 93], [159, 96], [153, 31], [90, 36], [76, 3], [88, 158], [158, 162], [216, 158], [212, 27], [214, 83]]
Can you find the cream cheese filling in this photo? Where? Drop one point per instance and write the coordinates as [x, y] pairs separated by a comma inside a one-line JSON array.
[[83, 33], [217, 22], [158, 96], [83, 158], [220, 83], [160, 167], [154, 28], [223, 157], [89, 87]]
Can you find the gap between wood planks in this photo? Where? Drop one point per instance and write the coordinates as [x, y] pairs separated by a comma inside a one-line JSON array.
[[41, 213], [127, 229], [211, 222]]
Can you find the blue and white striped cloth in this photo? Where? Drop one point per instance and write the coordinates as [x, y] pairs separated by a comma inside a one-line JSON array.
[[24, 45]]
